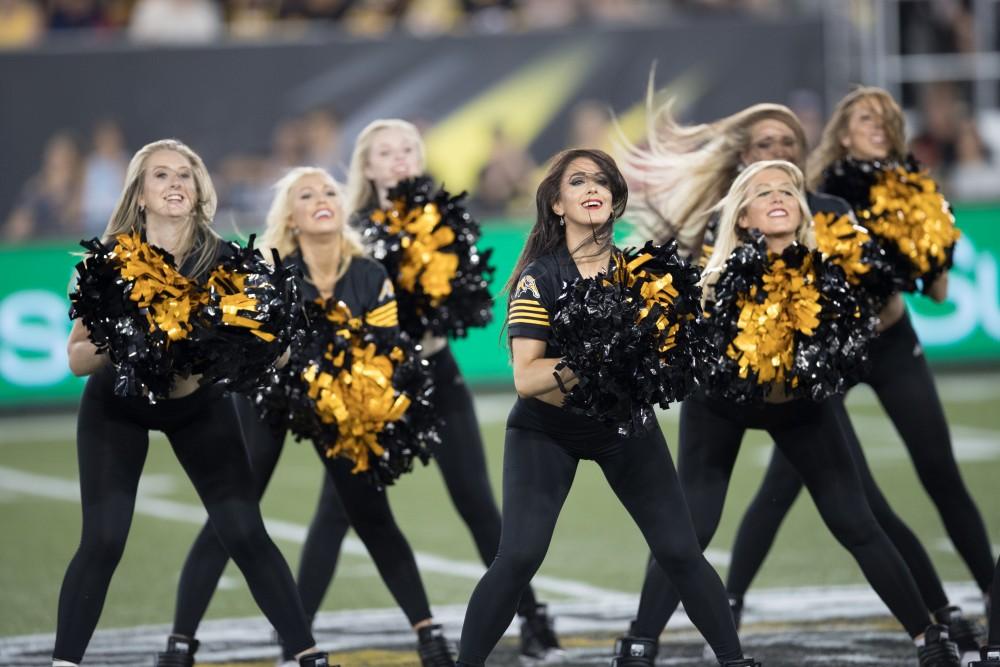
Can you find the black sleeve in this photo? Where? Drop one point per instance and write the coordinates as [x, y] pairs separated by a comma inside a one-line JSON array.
[[821, 202], [531, 302], [380, 299]]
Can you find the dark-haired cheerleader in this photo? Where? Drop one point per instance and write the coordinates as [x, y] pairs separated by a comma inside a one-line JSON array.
[[169, 199], [861, 158], [307, 226], [782, 320], [578, 201]]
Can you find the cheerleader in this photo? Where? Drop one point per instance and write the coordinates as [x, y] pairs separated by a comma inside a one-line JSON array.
[[769, 197], [544, 442], [387, 152], [306, 224], [170, 199], [865, 136]]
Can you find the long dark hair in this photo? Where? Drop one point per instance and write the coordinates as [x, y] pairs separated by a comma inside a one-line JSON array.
[[547, 234]]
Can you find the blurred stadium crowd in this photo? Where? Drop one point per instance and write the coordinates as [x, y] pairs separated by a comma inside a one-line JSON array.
[[78, 177]]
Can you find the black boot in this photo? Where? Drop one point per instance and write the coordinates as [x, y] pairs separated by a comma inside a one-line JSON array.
[[742, 662], [965, 633], [634, 652], [938, 650], [180, 652], [538, 636], [990, 657], [433, 647], [315, 660]]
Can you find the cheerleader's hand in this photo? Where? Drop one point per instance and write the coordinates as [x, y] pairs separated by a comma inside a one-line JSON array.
[[938, 290]]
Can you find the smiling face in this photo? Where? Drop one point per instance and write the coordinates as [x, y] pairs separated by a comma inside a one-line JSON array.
[[168, 186], [394, 156], [865, 137], [584, 194], [770, 139], [315, 206], [772, 207]]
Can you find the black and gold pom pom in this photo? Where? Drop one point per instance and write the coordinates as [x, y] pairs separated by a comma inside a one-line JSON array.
[[631, 337], [784, 325], [356, 391], [427, 242], [245, 322], [136, 306], [906, 214]]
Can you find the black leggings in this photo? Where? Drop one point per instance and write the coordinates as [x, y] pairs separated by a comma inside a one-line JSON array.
[[112, 440], [810, 437], [462, 461], [779, 489], [543, 446], [905, 387], [367, 508]]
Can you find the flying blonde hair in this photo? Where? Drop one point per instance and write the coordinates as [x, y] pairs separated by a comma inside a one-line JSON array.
[[361, 193], [831, 148], [198, 237], [686, 170], [733, 206], [278, 234]]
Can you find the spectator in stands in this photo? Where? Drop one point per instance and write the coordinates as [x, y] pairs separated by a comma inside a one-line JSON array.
[[506, 182], [103, 175], [941, 113], [21, 23], [315, 10], [590, 125], [976, 176], [49, 205], [70, 14], [176, 21], [251, 19], [321, 142]]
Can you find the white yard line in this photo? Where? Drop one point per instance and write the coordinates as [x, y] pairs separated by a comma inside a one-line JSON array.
[[56, 488]]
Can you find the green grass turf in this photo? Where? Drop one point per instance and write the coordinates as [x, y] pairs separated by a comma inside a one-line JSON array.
[[595, 542]]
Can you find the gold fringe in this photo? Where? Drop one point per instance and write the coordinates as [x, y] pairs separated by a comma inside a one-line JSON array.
[[765, 342], [843, 241], [908, 209], [162, 290]]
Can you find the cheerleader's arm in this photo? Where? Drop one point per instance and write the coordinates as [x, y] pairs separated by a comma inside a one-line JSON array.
[[84, 358], [534, 374]]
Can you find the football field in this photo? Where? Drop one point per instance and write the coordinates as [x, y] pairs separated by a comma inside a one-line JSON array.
[[591, 575]]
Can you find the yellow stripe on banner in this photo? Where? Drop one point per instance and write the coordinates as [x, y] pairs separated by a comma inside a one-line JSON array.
[[521, 319]]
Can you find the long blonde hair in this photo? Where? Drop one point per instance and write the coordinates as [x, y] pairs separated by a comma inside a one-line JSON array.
[[733, 206], [831, 148], [361, 192], [279, 236], [199, 237], [686, 170]]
